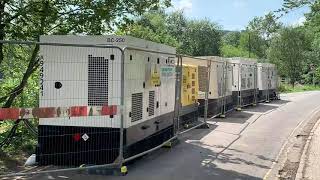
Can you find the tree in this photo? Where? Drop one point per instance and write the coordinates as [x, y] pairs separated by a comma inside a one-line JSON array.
[[265, 26], [313, 23], [287, 52], [256, 39], [190, 37], [202, 38], [289, 5], [177, 24], [151, 26], [253, 43]]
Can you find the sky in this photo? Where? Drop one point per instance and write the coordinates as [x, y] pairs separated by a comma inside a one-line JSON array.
[[235, 14]]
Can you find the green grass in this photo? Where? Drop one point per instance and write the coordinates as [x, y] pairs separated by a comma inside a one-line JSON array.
[[286, 88]]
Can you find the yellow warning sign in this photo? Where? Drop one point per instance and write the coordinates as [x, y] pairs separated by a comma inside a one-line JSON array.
[[190, 87], [155, 76]]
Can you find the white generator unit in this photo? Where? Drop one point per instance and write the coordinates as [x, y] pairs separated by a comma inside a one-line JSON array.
[[76, 76], [244, 81], [229, 103], [267, 81], [219, 95]]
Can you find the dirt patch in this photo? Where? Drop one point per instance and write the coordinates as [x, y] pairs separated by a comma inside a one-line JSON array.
[[11, 163]]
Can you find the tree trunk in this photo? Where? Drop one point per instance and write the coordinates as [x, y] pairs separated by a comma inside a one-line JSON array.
[[2, 26], [292, 82], [19, 89]]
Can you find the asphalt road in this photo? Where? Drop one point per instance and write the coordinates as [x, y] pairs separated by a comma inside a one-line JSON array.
[[240, 147]]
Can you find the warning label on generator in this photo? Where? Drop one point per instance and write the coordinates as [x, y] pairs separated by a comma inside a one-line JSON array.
[[85, 137], [153, 75]]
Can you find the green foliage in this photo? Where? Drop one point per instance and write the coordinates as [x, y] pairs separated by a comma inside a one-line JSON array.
[[232, 51], [13, 66], [286, 88], [317, 75], [232, 38], [203, 38], [313, 18], [191, 37], [287, 52], [312, 28], [151, 26], [251, 41], [16, 60], [265, 26], [289, 5], [72, 16], [177, 24]]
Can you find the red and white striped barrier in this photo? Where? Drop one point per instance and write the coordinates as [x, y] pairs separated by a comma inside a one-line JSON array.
[[52, 112]]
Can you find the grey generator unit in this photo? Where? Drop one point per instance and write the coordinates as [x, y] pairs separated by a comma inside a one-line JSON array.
[[219, 94], [91, 76], [244, 81], [267, 82]]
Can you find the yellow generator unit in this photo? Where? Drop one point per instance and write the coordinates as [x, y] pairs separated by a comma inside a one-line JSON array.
[[190, 86], [190, 91]]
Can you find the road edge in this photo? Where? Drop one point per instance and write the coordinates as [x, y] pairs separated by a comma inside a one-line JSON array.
[[303, 159], [282, 157]]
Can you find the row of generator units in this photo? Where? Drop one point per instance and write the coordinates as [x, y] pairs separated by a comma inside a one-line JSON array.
[[148, 83], [233, 84]]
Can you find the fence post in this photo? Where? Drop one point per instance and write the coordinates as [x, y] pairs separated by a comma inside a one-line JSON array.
[[255, 70], [121, 158], [177, 108], [239, 87], [268, 98], [207, 91]]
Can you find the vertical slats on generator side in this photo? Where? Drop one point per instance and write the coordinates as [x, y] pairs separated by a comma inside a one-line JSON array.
[[136, 107], [151, 103], [202, 75]]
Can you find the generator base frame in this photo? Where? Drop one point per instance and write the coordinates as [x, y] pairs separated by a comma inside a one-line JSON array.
[[267, 95], [245, 98], [216, 107], [94, 152], [188, 114]]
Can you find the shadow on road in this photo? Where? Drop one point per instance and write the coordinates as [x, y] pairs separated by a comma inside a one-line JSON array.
[[261, 108], [235, 117], [279, 102]]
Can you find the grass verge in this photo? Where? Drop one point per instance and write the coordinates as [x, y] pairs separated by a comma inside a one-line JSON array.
[[286, 88]]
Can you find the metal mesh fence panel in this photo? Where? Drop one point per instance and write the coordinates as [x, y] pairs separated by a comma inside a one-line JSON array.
[[194, 93]]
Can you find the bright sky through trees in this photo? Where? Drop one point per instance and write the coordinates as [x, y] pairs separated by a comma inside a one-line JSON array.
[[235, 14]]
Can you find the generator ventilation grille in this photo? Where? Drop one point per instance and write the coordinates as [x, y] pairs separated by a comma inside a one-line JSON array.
[[97, 81], [151, 103], [136, 107]]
